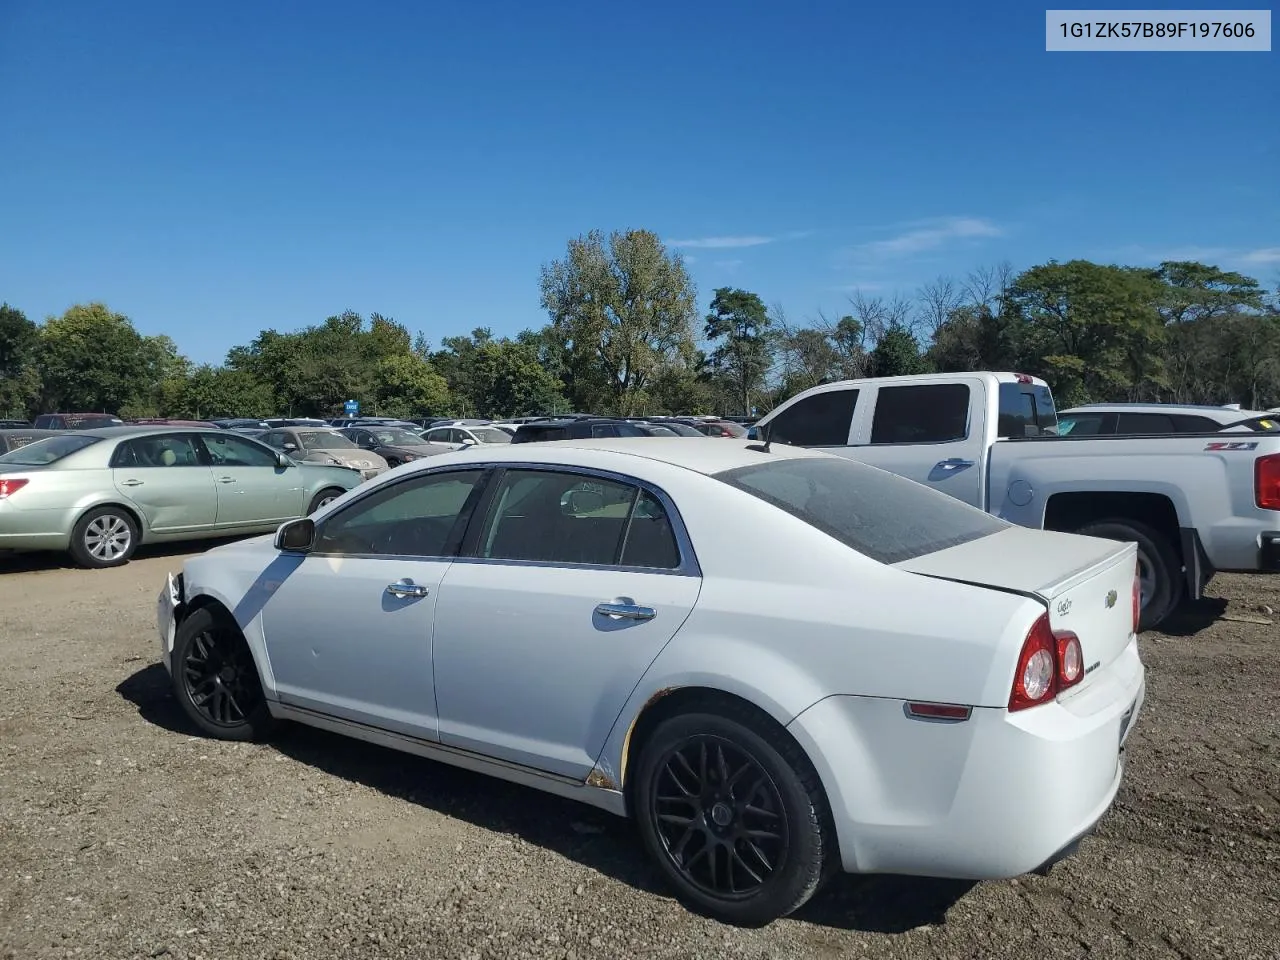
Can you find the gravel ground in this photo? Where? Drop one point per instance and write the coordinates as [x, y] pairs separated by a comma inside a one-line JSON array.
[[124, 835]]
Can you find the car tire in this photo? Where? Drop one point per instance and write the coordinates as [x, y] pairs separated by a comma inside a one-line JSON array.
[[215, 679], [1158, 566], [775, 870], [104, 537], [323, 499], [392, 463]]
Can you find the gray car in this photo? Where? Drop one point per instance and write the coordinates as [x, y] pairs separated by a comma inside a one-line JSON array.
[[99, 494], [315, 445], [394, 444]]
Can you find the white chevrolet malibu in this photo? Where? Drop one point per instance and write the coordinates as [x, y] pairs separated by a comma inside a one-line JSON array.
[[781, 663]]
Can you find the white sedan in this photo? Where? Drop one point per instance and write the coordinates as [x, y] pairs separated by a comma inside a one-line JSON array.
[[779, 662]]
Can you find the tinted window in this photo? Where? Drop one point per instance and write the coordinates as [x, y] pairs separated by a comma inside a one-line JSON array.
[[230, 451], [928, 413], [1026, 410], [1188, 423], [554, 517], [603, 430], [1144, 423], [1081, 424], [49, 450], [535, 434], [883, 516], [165, 451], [820, 420], [421, 517]]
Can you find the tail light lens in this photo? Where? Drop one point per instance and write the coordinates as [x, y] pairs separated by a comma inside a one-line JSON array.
[[8, 487], [1050, 662], [1137, 599], [1266, 482]]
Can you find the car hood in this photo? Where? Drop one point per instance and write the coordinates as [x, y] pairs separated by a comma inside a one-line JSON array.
[[415, 450], [347, 457]]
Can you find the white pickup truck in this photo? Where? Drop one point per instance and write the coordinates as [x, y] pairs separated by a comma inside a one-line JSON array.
[[1193, 503]]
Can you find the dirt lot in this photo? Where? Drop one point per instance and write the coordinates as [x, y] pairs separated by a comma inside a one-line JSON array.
[[123, 835]]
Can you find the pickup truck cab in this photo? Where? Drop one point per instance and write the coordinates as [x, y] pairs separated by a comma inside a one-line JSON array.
[[1193, 503]]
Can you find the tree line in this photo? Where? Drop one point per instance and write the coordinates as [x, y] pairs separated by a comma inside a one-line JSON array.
[[624, 337]]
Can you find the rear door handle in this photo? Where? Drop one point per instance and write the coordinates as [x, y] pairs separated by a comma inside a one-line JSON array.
[[131, 483], [625, 611], [407, 588], [226, 479], [955, 463]]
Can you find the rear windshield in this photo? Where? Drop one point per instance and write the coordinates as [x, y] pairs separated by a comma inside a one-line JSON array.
[[535, 434], [879, 514], [1026, 410], [48, 450]]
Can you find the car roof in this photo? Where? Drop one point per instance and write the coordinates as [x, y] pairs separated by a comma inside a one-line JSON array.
[[139, 429], [706, 458]]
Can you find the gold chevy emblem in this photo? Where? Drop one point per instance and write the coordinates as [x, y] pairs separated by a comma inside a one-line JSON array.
[[1112, 596]]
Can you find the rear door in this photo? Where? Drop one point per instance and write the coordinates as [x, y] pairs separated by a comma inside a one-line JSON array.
[[933, 433], [167, 478]]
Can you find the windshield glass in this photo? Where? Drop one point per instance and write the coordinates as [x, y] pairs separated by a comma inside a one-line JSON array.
[[325, 440], [396, 437], [490, 435], [881, 515], [48, 450]]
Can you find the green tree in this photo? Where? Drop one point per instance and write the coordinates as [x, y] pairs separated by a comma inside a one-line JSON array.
[[896, 354], [19, 373], [1195, 291], [623, 309], [406, 385], [742, 332]]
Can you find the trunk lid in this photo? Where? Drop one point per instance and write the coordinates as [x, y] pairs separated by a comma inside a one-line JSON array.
[[1085, 582]]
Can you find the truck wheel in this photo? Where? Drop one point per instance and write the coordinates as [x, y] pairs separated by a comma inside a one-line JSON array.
[[1159, 571]]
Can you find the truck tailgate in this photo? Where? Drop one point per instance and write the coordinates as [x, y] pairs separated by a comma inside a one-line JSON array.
[[1086, 583]]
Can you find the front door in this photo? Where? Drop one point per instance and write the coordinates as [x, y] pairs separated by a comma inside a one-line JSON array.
[[253, 489], [562, 598], [348, 627], [165, 476]]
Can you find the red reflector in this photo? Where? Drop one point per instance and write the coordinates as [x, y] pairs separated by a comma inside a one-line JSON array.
[[9, 487], [1022, 378], [938, 711], [1266, 482]]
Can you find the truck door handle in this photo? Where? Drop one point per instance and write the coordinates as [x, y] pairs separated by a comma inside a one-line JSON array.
[[226, 479], [131, 483], [625, 611], [406, 588], [955, 463]]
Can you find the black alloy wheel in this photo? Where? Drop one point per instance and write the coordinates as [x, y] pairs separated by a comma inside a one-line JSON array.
[[720, 817], [216, 680]]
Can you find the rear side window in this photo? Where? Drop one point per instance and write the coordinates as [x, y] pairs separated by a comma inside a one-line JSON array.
[[1189, 423], [881, 515], [1145, 423], [820, 420], [536, 434], [1081, 424], [927, 413], [1026, 410], [48, 450]]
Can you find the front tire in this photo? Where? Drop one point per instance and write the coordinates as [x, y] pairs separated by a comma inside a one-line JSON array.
[[215, 679], [1159, 570], [104, 537], [733, 814], [323, 499]]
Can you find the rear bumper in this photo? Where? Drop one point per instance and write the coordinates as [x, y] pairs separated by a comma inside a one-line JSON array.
[[1269, 552], [996, 796]]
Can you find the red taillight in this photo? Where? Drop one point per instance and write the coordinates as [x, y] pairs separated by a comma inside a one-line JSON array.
[[1050, 662], [9, 487], [1266, 482]]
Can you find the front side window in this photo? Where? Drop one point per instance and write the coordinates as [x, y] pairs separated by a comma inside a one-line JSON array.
[[420, 517], [163, 451], [819, 420], [229, 451], [879, 514], [926, 413], [554, 517], [438, 436]]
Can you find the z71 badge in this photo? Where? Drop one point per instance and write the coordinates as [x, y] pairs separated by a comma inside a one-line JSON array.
[[1237, 445]]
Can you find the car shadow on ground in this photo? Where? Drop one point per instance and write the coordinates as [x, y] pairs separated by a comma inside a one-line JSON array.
[[1193, 616], [45, 560], [597, 840]]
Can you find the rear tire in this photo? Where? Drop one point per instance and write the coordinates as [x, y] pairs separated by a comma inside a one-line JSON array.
[[1158, 566], [216, 680], [104, 537], [323, 499], [732, 812]]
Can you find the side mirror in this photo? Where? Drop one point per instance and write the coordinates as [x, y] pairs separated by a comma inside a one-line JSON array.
[[468, 442], [290, 446], [283, 461], [296, 536]]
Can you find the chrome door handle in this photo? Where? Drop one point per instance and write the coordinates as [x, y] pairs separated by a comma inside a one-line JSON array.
[[226, 479], [625, 611], [406, 588], [131, 483], [955, 463]]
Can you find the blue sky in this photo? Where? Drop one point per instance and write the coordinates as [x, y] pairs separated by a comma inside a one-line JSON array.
[[213, 169]]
